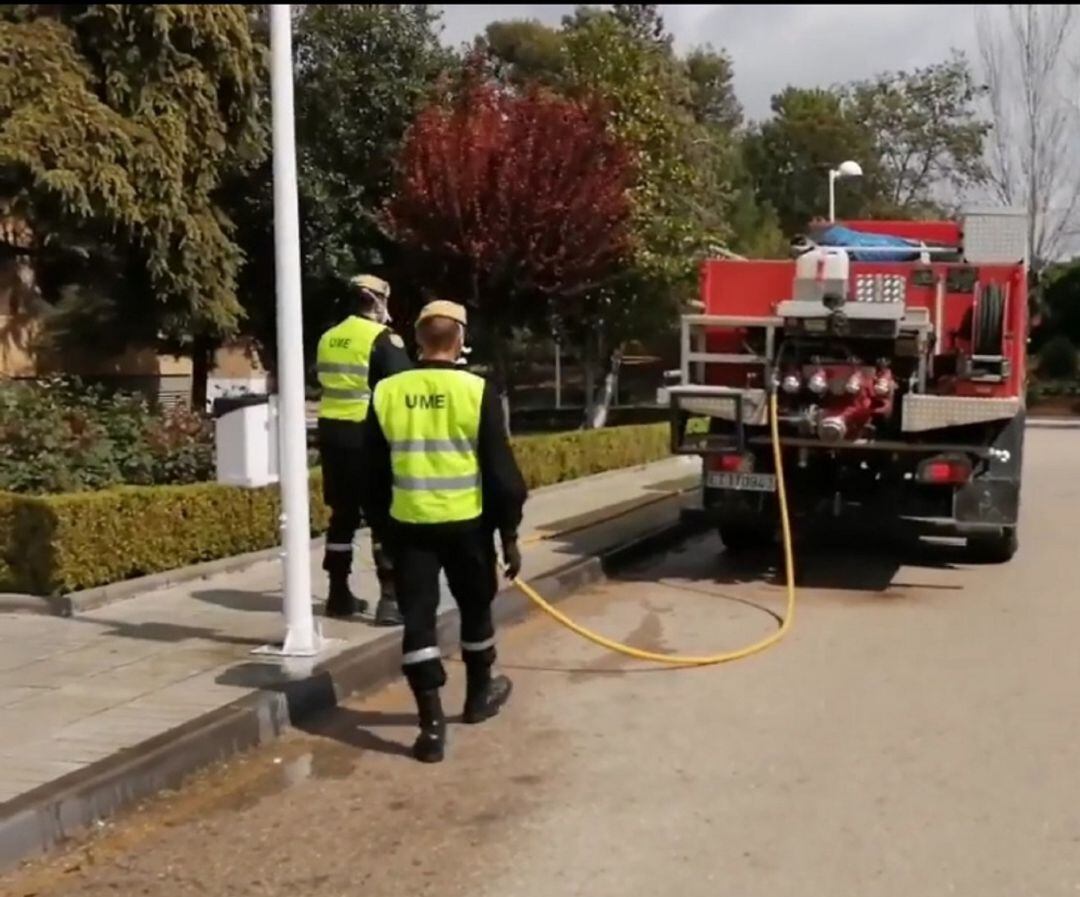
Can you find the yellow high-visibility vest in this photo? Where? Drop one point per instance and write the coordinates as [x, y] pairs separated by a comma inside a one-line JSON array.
[[342, 364], [431, 418]]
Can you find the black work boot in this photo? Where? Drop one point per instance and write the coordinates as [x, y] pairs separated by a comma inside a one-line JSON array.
[[387, 613], [341, 603], [484, 695], [430, 744]]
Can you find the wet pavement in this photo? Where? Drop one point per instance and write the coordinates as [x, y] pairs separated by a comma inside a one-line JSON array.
[[915, 735]]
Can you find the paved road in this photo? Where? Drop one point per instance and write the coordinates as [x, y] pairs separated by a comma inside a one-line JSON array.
[[916, 735]]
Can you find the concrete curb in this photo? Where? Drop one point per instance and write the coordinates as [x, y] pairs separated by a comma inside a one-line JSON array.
[[40, 819], [89, 599], [1053, 423], [20, 603]]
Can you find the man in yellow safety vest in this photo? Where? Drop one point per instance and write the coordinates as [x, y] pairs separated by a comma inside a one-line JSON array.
[[352, 358], [441, 478]]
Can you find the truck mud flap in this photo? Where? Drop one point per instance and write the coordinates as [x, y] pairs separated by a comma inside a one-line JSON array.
[[994, 498], [988, 501]]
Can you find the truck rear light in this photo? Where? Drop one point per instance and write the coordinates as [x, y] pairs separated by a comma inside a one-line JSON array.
[[854, 384], [944, 471], [790, 384], [728, 462]]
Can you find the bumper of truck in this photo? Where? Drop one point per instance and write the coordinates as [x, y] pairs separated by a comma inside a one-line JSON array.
[[988, 504], [982, 508]]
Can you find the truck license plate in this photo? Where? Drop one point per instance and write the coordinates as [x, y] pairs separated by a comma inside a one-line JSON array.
[[743, 482]]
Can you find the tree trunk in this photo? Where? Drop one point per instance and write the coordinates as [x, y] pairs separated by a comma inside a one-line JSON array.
[[202, 352], [588, 364], [502, 379], [602, 405]]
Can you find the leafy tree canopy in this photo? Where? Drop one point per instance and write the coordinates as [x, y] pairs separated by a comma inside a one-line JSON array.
[[915, 134], [118, 122], [363, 71], [927, 136]]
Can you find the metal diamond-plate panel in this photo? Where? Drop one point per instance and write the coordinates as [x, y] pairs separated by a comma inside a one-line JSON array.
[[995, 237], [934, 412]]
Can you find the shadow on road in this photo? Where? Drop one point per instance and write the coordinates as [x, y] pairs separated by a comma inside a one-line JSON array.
[[352, 728], [359, 729], [853, 561], [169, 632], [238, 599]]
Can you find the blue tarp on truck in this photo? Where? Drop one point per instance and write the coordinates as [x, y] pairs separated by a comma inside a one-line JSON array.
[[844, 236]]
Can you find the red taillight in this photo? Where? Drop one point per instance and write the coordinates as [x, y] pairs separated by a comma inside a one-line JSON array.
[[945, 471], [728, 461]]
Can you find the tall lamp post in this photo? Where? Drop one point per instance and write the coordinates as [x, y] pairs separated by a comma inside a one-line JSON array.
[[847, 169], [303, 637]]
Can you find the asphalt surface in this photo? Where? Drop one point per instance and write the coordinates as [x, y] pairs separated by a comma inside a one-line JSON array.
[[916, 734]]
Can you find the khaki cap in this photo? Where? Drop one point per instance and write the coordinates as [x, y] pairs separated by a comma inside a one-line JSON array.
[[372, 284], [441, 308]]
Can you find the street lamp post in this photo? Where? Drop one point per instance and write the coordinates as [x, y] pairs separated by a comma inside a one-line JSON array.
[[847, 169], [303, 637]]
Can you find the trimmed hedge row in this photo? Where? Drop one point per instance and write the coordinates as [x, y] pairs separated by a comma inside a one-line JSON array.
[[556, 457], [59, 543]]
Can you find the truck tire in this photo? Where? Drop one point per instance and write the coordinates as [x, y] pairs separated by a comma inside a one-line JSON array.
[[994, 549], [739, 538]]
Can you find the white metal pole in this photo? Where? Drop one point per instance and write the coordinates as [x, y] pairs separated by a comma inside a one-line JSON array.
[[302, 637], [832, 194]]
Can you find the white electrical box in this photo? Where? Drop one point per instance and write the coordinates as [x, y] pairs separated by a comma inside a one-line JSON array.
[[246, 440]]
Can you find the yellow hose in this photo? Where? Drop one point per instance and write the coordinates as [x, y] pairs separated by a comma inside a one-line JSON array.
[[708, 659]]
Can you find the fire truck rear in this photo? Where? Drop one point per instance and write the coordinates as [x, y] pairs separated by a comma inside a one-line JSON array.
[[897, 350]]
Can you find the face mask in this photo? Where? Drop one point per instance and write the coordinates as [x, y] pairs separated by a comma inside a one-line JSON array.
[[380, 312]]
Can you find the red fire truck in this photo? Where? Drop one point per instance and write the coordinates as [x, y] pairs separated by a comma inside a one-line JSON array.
[[897, 350]]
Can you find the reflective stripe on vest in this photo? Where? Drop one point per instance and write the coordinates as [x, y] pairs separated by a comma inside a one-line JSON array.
[[431, 419], [342, 365]]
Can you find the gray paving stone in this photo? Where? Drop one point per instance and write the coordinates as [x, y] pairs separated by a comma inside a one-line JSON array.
[[72, 750]]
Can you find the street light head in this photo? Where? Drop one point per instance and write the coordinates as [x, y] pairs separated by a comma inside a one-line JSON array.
[[846, 169]]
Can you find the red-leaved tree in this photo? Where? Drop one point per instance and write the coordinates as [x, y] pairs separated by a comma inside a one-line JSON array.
[[515, 204]]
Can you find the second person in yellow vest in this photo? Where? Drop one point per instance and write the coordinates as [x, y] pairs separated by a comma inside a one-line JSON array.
[[352, 358]]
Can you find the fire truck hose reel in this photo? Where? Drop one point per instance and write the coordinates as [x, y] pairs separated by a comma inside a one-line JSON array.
[[708, 659], [989, 323]]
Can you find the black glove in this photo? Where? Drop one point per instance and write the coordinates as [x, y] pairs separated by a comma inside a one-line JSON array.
[[511, 557]]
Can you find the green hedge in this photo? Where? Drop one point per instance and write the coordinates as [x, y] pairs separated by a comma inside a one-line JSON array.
[[58, 543], [556, 457]]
